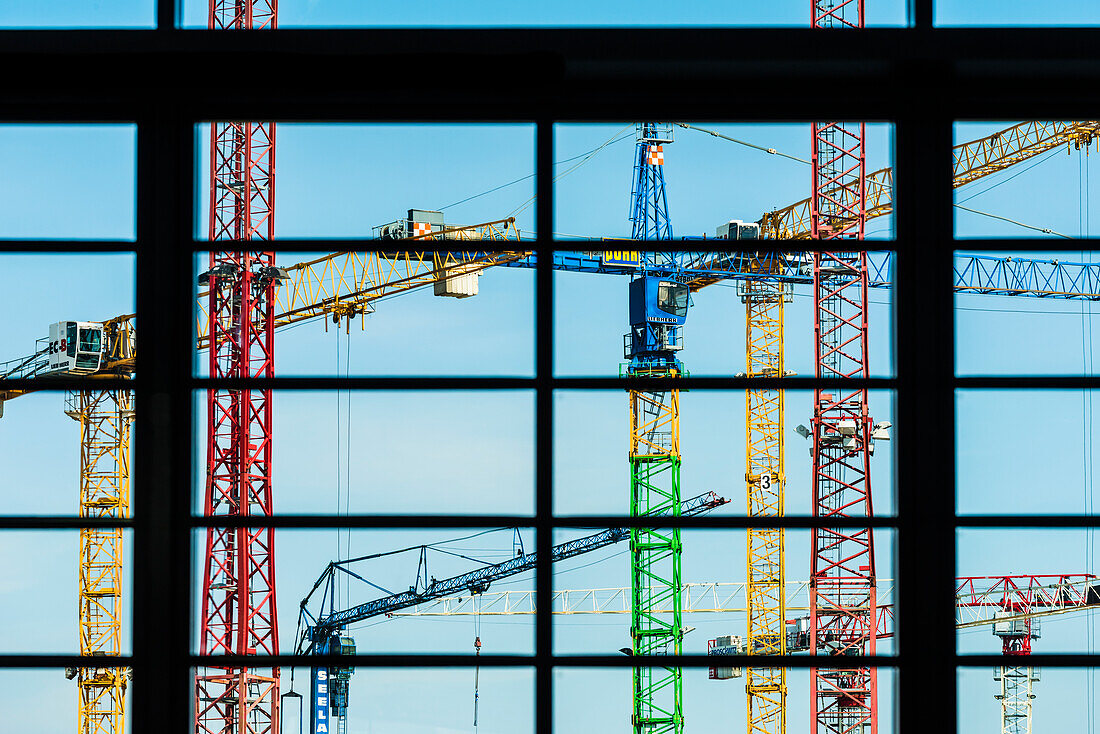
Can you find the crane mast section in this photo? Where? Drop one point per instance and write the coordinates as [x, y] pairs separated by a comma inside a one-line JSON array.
[[656, 553], [766, 688], [105, 418], [843, 602], [238, 603]]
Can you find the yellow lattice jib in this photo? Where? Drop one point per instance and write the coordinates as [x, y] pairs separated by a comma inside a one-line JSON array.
[[766, 688], [105, 419], [344, 283], [972, 160]]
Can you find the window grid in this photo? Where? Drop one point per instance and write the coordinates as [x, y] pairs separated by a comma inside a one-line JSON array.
[[925, 382]]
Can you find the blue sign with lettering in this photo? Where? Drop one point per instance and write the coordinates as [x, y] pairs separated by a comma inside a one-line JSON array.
[[319, 718]]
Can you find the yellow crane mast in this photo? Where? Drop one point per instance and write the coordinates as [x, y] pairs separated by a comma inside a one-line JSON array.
[[339, 284], [765, 688], [764, 476], [105, 418]]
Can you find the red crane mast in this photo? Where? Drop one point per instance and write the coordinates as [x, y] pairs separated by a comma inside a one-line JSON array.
[[842, 564], [238, 592]]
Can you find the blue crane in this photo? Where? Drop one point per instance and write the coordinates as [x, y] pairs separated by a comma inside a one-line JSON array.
[[323, 633]]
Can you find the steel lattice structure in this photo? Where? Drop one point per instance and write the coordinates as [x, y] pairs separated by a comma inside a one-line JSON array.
[[1013, 605], [842, 564], [238, 591], [648, 203], [656, 554], [105, 419], [766, 688], [654, 455]]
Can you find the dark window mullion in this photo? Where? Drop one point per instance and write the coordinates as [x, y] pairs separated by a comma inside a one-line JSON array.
[[925, 409], [161, 609], [544, 428]]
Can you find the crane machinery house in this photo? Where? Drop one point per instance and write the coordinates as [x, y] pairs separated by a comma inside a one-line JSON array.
[[76, 348]]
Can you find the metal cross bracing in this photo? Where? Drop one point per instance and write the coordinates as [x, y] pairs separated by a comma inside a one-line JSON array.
[[973, 160], [843, 602], [105, 418], [648, 203], [238, 606], [654, 453], [656, 626], [836, 13], [243, 14], [1013, 606], [842, 566], [699, 597], [765, 477]]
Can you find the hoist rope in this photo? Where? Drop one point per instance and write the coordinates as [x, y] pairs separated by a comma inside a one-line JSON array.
[[477, 652], [1087, 435]]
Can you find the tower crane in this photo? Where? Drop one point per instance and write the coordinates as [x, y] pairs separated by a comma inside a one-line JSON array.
[[844, 198], [658, 309], [843, 602], [1013, 606], [322, 633], [342, 285]]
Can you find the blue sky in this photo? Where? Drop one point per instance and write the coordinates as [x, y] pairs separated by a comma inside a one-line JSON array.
[[471, 453]]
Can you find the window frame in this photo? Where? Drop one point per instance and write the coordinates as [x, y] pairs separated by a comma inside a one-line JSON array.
[[545, 77]]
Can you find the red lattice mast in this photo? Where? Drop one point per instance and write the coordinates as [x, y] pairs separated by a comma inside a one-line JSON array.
[[238, 591], [842, 564]]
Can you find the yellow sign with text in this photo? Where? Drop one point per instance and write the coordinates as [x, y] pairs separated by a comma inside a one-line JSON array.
[[622, 258]]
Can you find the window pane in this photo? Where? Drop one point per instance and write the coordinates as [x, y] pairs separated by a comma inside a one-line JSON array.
[[494, 13], [1026, 589], [68, 454], [1016, 13], [592, 430], [1026, 452], [708, 174], [592, 592], [386, 452], [407, 700], [401, 313], [79, 584], [1023, 179], [46, 700], [1025, 313], [601, 699], [598, 329], [378, 588], [68, 181], [358, 180], [75, 14], [1022, 697]]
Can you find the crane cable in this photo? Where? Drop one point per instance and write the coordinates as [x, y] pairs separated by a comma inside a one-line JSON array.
[[477, 651], [586, 157], [773, 151], [1087, 418], [343, 462], [770, 151]]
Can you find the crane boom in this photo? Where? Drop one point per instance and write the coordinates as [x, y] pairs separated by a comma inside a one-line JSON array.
[[344, 283], [478, 580], [972, 160]]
